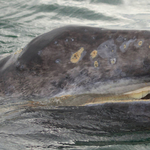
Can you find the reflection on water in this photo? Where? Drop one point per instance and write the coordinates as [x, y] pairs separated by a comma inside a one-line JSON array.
[[29, 124]]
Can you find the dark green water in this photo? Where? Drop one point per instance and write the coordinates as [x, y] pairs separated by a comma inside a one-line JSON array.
[[22, 20], [25, 127]]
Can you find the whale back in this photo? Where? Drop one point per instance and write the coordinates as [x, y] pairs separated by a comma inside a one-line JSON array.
[[110, 52], [72, 57]]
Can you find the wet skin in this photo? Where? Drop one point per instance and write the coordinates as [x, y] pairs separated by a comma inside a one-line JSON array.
[[75, 63], [105, 72]]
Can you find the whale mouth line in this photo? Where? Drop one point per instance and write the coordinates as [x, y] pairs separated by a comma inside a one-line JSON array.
[[141, 94]]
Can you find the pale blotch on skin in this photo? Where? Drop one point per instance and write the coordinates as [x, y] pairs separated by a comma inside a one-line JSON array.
[[107, 49], [149, 46], [19, 51], [140, 43], [76, 56], [93, 54], [124, 46], [113, 61], [95, 64]]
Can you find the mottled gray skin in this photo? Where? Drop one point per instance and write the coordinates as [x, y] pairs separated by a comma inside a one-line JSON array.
[[44, 67]]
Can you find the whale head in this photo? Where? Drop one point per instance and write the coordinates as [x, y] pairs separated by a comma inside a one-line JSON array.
[[84, 64]]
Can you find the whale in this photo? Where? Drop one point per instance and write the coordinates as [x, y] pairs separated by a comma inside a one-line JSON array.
[[77, 87], [80, 65]]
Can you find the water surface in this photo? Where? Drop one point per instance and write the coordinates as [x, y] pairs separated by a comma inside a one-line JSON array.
[[25, 124]]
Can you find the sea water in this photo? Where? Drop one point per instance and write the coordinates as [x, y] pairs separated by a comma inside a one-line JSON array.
[[25, 124]]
